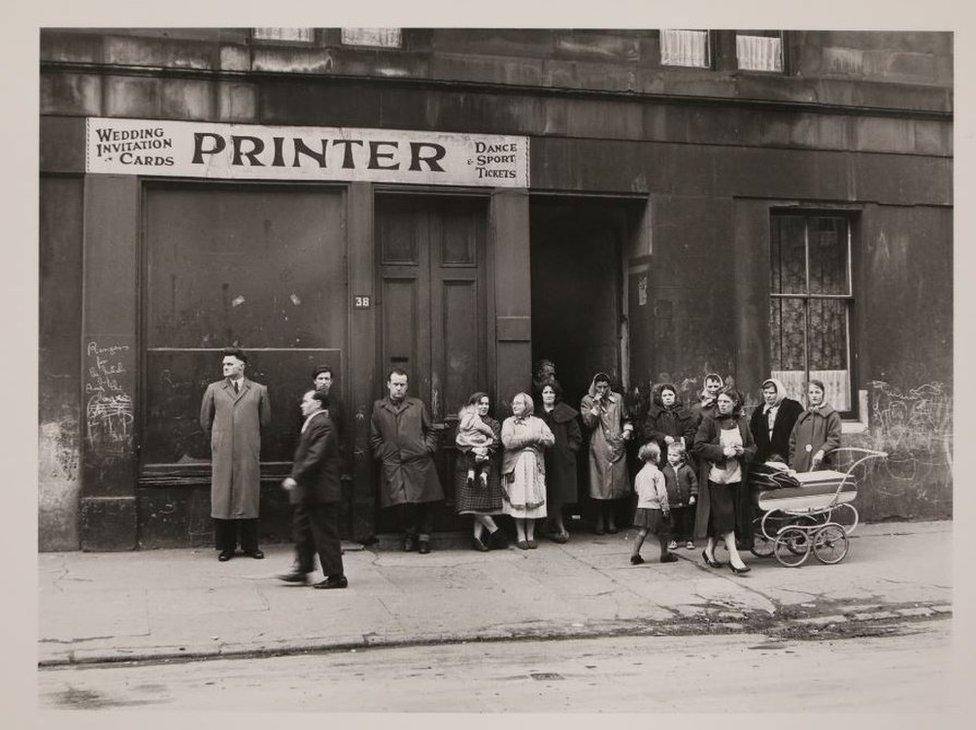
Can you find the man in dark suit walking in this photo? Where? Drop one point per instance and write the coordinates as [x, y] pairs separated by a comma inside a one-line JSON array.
[[314, 490]]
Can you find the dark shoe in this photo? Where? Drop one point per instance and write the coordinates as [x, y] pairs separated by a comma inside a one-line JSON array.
[[225, 555], [612, 530], [409, 543], [256, 554], [739, 571], [522, 545], [532, 544], [636, 560], [423, 546], [478, 545], [296, 576], [470, 482], [335, 581], [710, 563], [598, 531], [669, 558], [497, 540], [560, 537]]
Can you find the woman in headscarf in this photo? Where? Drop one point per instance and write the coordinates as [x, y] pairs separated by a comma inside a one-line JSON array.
[[524, 468], [816, 432], [605, 414], [668, 421], [772, 424], [706, 405], [563, 420], [724, 447]]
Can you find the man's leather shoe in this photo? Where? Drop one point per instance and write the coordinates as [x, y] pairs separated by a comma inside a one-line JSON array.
[[423, 546], [225, 555], [409, 543], [296, 576], [256, 554], [333, 582]]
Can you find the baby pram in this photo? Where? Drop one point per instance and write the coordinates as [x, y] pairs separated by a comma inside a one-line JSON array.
[[810, 512]]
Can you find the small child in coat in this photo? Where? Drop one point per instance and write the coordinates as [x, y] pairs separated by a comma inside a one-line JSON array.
[[682, 485], [653, 513], [474, 436]]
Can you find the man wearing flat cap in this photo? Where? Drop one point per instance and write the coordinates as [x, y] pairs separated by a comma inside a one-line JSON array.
[[233, 412]]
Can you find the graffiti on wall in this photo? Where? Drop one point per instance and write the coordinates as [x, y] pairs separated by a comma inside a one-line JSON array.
[[108, 412], [915, 427]]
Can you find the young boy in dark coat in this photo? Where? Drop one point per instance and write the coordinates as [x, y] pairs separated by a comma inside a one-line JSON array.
[[682, 486]]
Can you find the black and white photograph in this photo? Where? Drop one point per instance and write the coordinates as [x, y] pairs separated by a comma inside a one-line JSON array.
[[496, 367]]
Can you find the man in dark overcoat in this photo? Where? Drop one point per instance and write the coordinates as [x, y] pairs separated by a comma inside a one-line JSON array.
[[233, 412], [403, 439], [314, 490]]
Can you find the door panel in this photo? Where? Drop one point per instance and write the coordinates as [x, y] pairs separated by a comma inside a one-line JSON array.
[[433, 307]]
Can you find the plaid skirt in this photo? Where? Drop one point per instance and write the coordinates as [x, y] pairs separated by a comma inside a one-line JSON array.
[[477, 499]]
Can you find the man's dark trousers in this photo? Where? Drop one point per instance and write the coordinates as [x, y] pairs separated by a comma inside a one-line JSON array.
[[315, 528]]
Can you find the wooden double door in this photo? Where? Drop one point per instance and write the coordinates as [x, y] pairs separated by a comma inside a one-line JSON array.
[[434, 306]]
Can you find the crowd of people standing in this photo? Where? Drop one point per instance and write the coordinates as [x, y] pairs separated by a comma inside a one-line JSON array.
[[692, 483], [694, 459]]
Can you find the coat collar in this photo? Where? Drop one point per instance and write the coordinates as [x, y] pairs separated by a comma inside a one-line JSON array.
[[563, 412], [389, 405]]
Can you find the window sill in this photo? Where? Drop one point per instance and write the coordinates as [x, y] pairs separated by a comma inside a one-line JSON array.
[[860, 425]]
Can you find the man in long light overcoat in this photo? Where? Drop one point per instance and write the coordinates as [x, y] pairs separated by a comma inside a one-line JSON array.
[[402, 437], [234, 410]]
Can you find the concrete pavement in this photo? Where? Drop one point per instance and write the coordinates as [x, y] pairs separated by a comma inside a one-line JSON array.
[[167, 604]]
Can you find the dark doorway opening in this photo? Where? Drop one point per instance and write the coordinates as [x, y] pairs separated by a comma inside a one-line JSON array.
[[578, 310], [580, 248]]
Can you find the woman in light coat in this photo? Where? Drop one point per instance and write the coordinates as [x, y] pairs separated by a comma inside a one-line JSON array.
[[524, 437], [605, 414], [816, 432]]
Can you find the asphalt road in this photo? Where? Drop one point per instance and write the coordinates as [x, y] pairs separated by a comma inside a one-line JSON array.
[[905, 671]]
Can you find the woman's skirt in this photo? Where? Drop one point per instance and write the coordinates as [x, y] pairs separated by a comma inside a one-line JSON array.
[[477, 498], [525, 489], [721, 514]]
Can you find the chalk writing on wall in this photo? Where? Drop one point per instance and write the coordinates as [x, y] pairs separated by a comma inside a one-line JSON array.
[[915, 427], [108, 412]]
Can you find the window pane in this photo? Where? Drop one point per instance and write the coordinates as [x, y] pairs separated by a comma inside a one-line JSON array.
[[828, 342], [788, 272], [787, 354], [305, 35], [786, 330], [759, 53], [685, 48], [829, 256], [384, 37]]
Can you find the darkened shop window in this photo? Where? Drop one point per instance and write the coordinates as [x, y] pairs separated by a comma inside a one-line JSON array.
[[759, 50], [810, 305], [690, 48], [258, 266]]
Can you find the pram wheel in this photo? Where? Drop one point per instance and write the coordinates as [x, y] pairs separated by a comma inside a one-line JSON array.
[[792, 547], [762, 547], [830, 544]]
